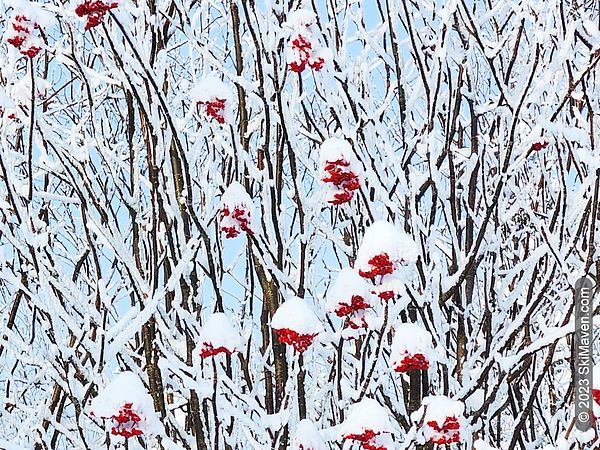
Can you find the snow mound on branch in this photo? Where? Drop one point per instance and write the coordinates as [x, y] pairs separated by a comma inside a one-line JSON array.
[[409, 341], [443, 422], [301, 20], [296, 314], [307, 437], [215, 98], [384, 238], [334, 149], [236, 195], [218, 335], [364, 416], [127, 388], [35, 12], [347, 284]]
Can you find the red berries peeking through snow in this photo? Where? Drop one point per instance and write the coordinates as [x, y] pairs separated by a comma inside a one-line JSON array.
[[379, 265], [368, 423], [303, 51], [296, 324], [95, 12], [127, 404], [337, 165], [537, 146], [20, 35], [127, 422], [349, 297], [412, 348], [443, 419], [218, 336], [236, 211], [214, 100]]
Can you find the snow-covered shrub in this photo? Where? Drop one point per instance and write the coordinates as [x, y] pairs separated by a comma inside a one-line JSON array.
[[383, 250], [236, 211], [126, 402], [214, 99], [296, 324], [412, 348], [338, 167], [307, 437], [218, 336], [304, 48], [350, 297], [94, 12], [443, 421], [368, 423]]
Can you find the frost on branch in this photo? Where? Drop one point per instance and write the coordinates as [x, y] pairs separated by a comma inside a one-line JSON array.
[[412, 348], [236, 211], [384, 249], [128, 405], [296, 324], [338, 170], [214, 99], [218, 336], [307, 437], [303, 47], [350, 297], [369, 424], [94, 11], [443, 419], [20, 32]]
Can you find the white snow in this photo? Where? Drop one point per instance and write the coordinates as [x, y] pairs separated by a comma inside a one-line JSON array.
[[412, 339], [440, 406], [126, 387], [383, 237], [236, 195], [365, 415], [308, 436], [301, 21], [334, 149], [218, 331], [347, 284], [296, 314], [211, 89], [35, 12]]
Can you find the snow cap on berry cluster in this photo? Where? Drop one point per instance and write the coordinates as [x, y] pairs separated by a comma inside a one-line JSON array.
[[126, 388], [350, 296], [303, 47], [307, 437], [218, 336], [296, 323], [444, 421], [237, 210], [365, 420], [384, 248], [339, 170], [412, 348], [215, 99], [26, 18]]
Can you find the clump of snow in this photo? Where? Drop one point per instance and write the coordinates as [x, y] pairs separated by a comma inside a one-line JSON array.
[[443, 421], [296, 323], [127, 403], [384, 249], [412, 348], [307, 437], [338, 170], [214, 98], [367, 421], [218, 336], [350, 297], [236, 211], [304, 49]]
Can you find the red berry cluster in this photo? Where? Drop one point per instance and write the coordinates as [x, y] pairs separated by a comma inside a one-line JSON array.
[[303, 47], [537, 146], [366, 439], [380, 265], [300, 342], [412, 362], [95, 12], [242, 222], [342, 178], [207, 350], [385, 295], [215, 109], [596, 396], [448, 432], [127, 422], [354, 310], [22, 29]]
